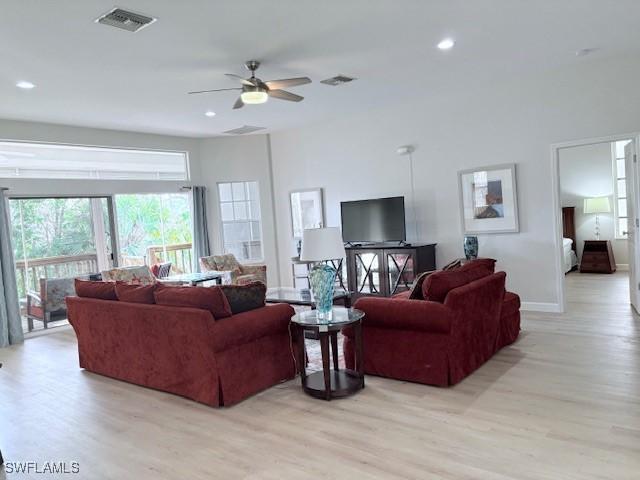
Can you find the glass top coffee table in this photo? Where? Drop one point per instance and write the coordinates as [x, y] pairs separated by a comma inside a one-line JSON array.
[[298, 296], [331, 383], [197, 277]]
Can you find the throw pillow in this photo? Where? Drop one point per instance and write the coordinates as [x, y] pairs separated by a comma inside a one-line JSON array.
[[488, 263], [135, 293], [457, 263], [243, 298], [207, 298], [416, 289], [91, 289], [439, 284]]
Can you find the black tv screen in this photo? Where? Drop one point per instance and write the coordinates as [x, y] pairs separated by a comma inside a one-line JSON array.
[[379, 220]]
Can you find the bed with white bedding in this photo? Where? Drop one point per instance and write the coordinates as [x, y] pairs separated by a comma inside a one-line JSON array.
[[570, 257]]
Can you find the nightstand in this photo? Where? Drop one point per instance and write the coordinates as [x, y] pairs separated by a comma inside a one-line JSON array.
[[597, 257]]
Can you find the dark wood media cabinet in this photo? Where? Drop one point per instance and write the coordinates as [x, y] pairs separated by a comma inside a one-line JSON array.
[[387, 269]]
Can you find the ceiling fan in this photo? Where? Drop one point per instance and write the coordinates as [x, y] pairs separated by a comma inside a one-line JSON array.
[[255, 91]]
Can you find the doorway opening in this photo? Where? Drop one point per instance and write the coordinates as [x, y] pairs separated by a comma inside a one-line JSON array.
[[596, 199]]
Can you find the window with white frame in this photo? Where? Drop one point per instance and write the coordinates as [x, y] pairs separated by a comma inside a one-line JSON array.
[[46, 160], [240, 219], [620, 188]]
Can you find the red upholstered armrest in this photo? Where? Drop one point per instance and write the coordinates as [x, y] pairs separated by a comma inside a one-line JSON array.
[[400, 314]]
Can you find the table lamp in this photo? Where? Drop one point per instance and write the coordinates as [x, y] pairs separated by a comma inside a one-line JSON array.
[[597, 205], [318, 246]]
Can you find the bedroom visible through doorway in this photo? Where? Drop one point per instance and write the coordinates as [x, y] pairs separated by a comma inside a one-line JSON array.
[[596, 209]]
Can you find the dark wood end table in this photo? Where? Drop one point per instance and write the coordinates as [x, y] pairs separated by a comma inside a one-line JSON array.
[[331, 383]]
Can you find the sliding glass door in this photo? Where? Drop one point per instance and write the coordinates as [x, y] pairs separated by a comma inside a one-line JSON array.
[[155, 228], [58, 238]]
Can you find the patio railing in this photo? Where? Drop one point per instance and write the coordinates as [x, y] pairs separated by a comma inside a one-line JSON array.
[[180, 255], [30, 272]]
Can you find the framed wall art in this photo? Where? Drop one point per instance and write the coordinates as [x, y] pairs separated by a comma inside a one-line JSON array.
[[307, 210], [489, 199]]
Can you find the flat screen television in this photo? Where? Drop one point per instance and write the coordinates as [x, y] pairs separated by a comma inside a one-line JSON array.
[[377, 220]]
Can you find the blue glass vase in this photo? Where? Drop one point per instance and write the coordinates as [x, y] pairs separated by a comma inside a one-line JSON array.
[[322, 279], [471, 247]]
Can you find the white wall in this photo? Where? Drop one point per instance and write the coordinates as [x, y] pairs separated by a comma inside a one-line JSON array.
[[229, 159], [587, 171], [43, 132], [355, 157]]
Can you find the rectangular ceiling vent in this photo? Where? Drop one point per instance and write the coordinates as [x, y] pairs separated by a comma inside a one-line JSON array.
[[243, 130], [337, 80], [119, 18]]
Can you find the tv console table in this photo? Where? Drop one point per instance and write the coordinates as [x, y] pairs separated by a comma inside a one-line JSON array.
[[387, 269]]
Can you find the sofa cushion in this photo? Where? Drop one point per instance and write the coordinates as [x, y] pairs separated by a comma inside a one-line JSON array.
[[207, 298], [91, 289], [249, 326], [228, 263], [243, 298], [439, 284], [135, 293]]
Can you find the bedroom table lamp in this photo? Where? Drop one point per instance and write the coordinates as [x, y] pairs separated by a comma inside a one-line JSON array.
[[597, 205], [318, 246]]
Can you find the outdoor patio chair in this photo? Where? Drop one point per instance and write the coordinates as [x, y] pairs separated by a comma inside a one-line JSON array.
[[240, 274], [48, 304]]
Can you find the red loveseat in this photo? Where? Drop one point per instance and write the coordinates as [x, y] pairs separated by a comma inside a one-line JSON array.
[[467, 318], [184, 350]]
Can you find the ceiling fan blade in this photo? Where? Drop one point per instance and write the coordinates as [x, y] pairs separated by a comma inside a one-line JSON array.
[[215, 90], [243, 81], [283, 95], [287, 82], [239, 104]]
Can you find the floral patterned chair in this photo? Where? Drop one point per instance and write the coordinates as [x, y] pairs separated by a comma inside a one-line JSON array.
[[240, 274], [136, 275], [48, 304]]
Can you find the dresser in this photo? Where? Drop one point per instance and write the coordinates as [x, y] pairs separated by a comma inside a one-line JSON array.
[[597, 257]]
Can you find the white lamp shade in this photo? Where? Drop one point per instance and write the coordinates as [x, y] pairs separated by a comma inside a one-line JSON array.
[[319, 244], [597, 205]]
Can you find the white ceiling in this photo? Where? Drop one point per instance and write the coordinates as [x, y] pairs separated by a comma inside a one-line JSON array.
[[92, 75]]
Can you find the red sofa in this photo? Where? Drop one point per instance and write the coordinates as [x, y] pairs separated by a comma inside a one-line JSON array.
[[184, 350], [439, 341]]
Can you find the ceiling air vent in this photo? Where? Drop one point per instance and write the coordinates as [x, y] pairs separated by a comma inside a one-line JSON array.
[[119, 18], [244, 129], [337, 80]]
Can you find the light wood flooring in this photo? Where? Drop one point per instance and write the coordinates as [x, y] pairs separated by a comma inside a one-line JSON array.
[[562, 403]]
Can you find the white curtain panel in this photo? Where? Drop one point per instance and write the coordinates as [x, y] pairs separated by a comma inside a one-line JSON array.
[[10, 323]]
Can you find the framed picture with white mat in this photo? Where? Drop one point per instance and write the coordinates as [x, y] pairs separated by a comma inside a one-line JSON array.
[[489, 199]]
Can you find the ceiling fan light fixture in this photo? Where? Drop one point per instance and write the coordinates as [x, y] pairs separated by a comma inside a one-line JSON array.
[[254, 96]]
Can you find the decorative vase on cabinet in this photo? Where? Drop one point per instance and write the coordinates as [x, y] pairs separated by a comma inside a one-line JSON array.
[[471, 247]]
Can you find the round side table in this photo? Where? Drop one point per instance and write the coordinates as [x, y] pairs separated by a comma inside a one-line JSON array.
[[331, 383]]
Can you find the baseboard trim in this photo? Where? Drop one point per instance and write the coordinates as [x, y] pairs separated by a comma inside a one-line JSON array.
[[623, 267], [540, 307]]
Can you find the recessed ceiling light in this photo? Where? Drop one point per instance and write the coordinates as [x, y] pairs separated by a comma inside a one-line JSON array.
[[585, 51], [25, 85], [210, 113], [446, 44]]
